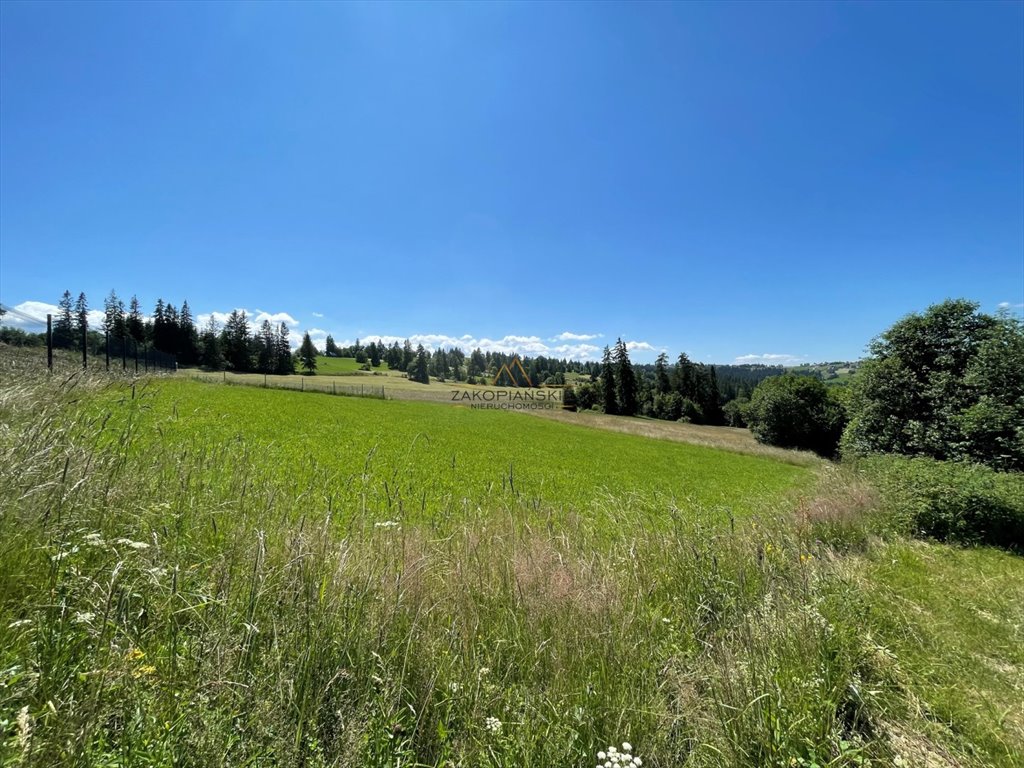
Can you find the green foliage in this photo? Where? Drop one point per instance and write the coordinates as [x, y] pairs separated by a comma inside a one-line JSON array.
[[625, 381], [19, 338], [419, 370], [235, 341], [793, 411], [330, 347], [952, 501], [609, 391], [63, 324], [307, 354], [735, 412], [948, 384]]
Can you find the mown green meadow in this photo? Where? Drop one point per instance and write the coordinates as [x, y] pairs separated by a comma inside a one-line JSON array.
[[194, 574], [399, 460], [334, 366]]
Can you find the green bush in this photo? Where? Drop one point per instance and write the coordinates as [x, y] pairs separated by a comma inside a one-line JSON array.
[[952, 501], [793, 411]]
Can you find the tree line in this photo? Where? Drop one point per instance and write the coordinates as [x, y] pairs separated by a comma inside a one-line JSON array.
[[946, 384], [236, 345]]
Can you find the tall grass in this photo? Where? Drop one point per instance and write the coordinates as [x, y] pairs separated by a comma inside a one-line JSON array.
[[156, 612]]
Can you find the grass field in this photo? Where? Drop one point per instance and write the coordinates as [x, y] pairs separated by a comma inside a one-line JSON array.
[[407, 458], [334, 366], [194, 574]]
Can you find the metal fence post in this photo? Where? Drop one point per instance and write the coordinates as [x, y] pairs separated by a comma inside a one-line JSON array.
[[49, 342]]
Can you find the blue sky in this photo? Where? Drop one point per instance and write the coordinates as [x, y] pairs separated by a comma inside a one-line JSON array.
[[732, 180]]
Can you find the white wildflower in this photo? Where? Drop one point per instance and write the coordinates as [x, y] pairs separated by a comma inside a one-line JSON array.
[[386, 524], [63, 553], [93, 540], [493, 725], [133, 544], [613, 758], [84, 617], [484, 672]]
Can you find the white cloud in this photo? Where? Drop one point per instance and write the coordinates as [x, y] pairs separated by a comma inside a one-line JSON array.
[[768, 358], [1008, 305], [317, 314], [255, 318], [643, 346], [570, 336], [512, 344], [275, 319], [38, 310]]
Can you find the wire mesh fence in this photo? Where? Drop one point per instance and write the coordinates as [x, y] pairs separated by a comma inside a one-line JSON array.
[[38, 343], [296, 382]]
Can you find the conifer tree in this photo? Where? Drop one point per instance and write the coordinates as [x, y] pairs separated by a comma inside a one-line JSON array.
[[64, 327], [625, 381], [711, 406], [420, 368], [236, 341], [135, 325], [113, 320], [307, 354], [285, 360], [662, 385], [211, 356], [81, 316], [608, 383], [267, 348]]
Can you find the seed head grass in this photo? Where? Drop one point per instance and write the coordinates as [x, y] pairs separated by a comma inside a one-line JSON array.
[[197, 575]]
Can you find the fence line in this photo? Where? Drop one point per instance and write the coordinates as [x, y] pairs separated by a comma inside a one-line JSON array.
[[106, 353], [296, 383]]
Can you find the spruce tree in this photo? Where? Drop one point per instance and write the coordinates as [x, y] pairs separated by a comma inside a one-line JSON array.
[[608, 383], [64, 327], [420, 368], [236, 341], [159, 327], [662, 385], [685, 383], [134, 325], [81, 316], [307, 354], [712, 402], [625, 381], [113, 321], [188, 344], [267, 348], [285, 360], [211, 356]]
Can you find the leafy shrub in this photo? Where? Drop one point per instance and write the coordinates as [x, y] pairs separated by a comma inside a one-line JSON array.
[[948, 384], [796, 412], [952, 501]]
